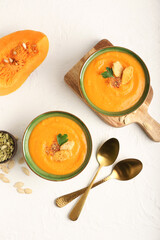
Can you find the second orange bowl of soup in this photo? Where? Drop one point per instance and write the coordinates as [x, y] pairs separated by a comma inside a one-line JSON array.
[[108, 94], [57, 145]]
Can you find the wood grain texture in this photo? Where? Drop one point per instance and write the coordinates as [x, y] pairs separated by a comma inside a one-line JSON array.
[[140, 116]]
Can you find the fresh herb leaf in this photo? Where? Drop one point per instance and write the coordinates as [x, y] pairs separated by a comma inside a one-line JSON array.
[[108, 73], [61, 139]]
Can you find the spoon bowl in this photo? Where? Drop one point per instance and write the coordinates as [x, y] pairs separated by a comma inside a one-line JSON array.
[[108, 152], [126, 169]]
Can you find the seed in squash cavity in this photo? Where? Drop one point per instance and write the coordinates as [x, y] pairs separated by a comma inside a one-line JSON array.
[[21, 160], [11, 60], [20, 190], [28, 190], [5, 60], [26, 171], [14, 53], [24, 45], [18, 184], [11, 164], [6, 180]]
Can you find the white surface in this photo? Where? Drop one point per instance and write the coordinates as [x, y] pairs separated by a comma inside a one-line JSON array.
[[114, 210]]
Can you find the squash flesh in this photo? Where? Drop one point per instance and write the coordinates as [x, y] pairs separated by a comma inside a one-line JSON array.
[[20, 54]]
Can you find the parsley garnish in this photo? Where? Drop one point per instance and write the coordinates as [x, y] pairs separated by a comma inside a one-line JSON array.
[[61, 139], [108, 73]]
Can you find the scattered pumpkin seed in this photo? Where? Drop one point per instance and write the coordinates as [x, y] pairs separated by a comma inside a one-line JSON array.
[[6, 180], [28, 190], [3, 164], [1, 175], [21, 160], [18, 184], [5, 169], [20, 190], [26, 171], [11, 164]]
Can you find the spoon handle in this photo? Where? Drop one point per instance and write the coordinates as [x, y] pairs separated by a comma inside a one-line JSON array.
[[65, 199], [75, 212]]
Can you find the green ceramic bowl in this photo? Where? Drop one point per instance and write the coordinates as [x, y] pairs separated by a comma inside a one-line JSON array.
[[118, 49], [32, 164]]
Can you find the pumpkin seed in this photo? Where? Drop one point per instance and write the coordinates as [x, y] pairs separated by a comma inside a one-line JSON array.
[[5, 60], [11, 164], [18, 184], [26, 171], [24, 45], [3, 164], [11, 60], [21, 160], [20, 190], [1, 175], [6, 180], [3, 147], [28, 190], [5, 169]]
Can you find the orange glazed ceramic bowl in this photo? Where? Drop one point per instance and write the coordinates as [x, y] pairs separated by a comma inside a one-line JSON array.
[[109, 100], [42, 132]]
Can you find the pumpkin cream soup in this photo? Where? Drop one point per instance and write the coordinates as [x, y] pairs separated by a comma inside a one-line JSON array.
[[58, 145], [114, 81]]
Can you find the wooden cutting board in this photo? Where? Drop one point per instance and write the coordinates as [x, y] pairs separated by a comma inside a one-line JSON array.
[[140, 116]]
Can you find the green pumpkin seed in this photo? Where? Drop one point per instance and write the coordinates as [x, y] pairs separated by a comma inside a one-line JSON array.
[[6, 146]]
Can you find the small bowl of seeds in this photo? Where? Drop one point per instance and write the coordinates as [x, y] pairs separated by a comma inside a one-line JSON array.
[[8, 146]]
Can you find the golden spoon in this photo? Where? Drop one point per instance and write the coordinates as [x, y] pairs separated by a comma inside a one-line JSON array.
[[106, 155], [123, 170]]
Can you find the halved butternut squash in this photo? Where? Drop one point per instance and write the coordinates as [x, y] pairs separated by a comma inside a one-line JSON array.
[[20, 54]]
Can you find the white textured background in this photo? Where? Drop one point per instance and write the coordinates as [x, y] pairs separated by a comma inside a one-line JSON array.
[[114, 210]]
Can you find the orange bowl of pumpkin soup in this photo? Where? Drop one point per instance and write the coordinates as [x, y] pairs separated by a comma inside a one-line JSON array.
[[114, 81], [57, 145]]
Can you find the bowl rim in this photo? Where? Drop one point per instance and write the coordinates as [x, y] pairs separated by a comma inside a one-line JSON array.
[[110, 49], [15, 146], [50, 176]]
